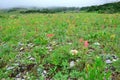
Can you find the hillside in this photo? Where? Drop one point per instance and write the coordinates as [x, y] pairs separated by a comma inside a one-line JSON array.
[[106, 8]]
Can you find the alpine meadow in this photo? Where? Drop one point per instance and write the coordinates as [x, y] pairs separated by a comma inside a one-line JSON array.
[[60, 43]]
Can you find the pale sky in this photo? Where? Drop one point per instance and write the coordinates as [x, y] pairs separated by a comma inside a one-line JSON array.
[[51, 3]]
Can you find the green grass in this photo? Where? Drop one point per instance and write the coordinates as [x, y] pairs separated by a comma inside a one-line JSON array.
[[31, 44]]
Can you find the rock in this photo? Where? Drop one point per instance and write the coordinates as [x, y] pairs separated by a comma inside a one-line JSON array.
[[21, 49], [53, 43], [72, 64], [90, 51], [3, 79], [44, 73], [20, 44], [31, 58], [10, 68], [78, 60], [18, 75], [18, 79], [108, 61], [70, 43], [50, 48], [30, 45], [114, 60], [97, 44], [114, 57]]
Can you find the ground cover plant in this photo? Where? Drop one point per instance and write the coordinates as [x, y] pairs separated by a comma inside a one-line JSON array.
[[60, 46]]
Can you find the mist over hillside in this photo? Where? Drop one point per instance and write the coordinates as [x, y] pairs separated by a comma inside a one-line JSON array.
[[51, 3], [105, 8]]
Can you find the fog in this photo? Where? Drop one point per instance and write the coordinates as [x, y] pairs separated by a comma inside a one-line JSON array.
[[51, 3]]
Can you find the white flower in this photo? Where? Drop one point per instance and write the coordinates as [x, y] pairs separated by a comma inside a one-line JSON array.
[[74, 52]]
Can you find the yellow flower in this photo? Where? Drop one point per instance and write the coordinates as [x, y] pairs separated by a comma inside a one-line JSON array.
[[87, 68], [112, 36]]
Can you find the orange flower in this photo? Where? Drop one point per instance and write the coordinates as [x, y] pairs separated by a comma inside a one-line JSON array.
[[50, 35], [86, 43]]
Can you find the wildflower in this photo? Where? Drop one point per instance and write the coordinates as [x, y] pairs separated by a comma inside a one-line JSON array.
[[74, 52], [50, 35], [81, 40], [112, 36], [86, 43], [87, 68]]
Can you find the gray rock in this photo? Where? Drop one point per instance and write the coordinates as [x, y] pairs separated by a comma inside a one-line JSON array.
[[10, 68], [72, 64], [21, 49], [108, 61]]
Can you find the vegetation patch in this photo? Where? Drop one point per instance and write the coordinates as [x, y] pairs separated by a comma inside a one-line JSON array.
[[68, 46]]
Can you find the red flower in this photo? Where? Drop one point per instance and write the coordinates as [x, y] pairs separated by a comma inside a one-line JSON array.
[[86, 43], [50, 35]]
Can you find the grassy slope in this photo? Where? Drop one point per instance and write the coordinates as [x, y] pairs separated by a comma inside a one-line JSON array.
[[17, 31], [106, 8]]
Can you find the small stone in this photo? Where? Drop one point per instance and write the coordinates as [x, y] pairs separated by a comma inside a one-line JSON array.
[[10, 68], [78, 60], [108, 61], [32, 59], [114, 57], [44, 73], [90, 51], [3, 79], [69, 43], [97, 44], [72, 64], [30, 45], [53, 43], [20, 44], [21, 49], [18, 75], [50, 48], [114, 60], [18, 79], [24, 77]]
